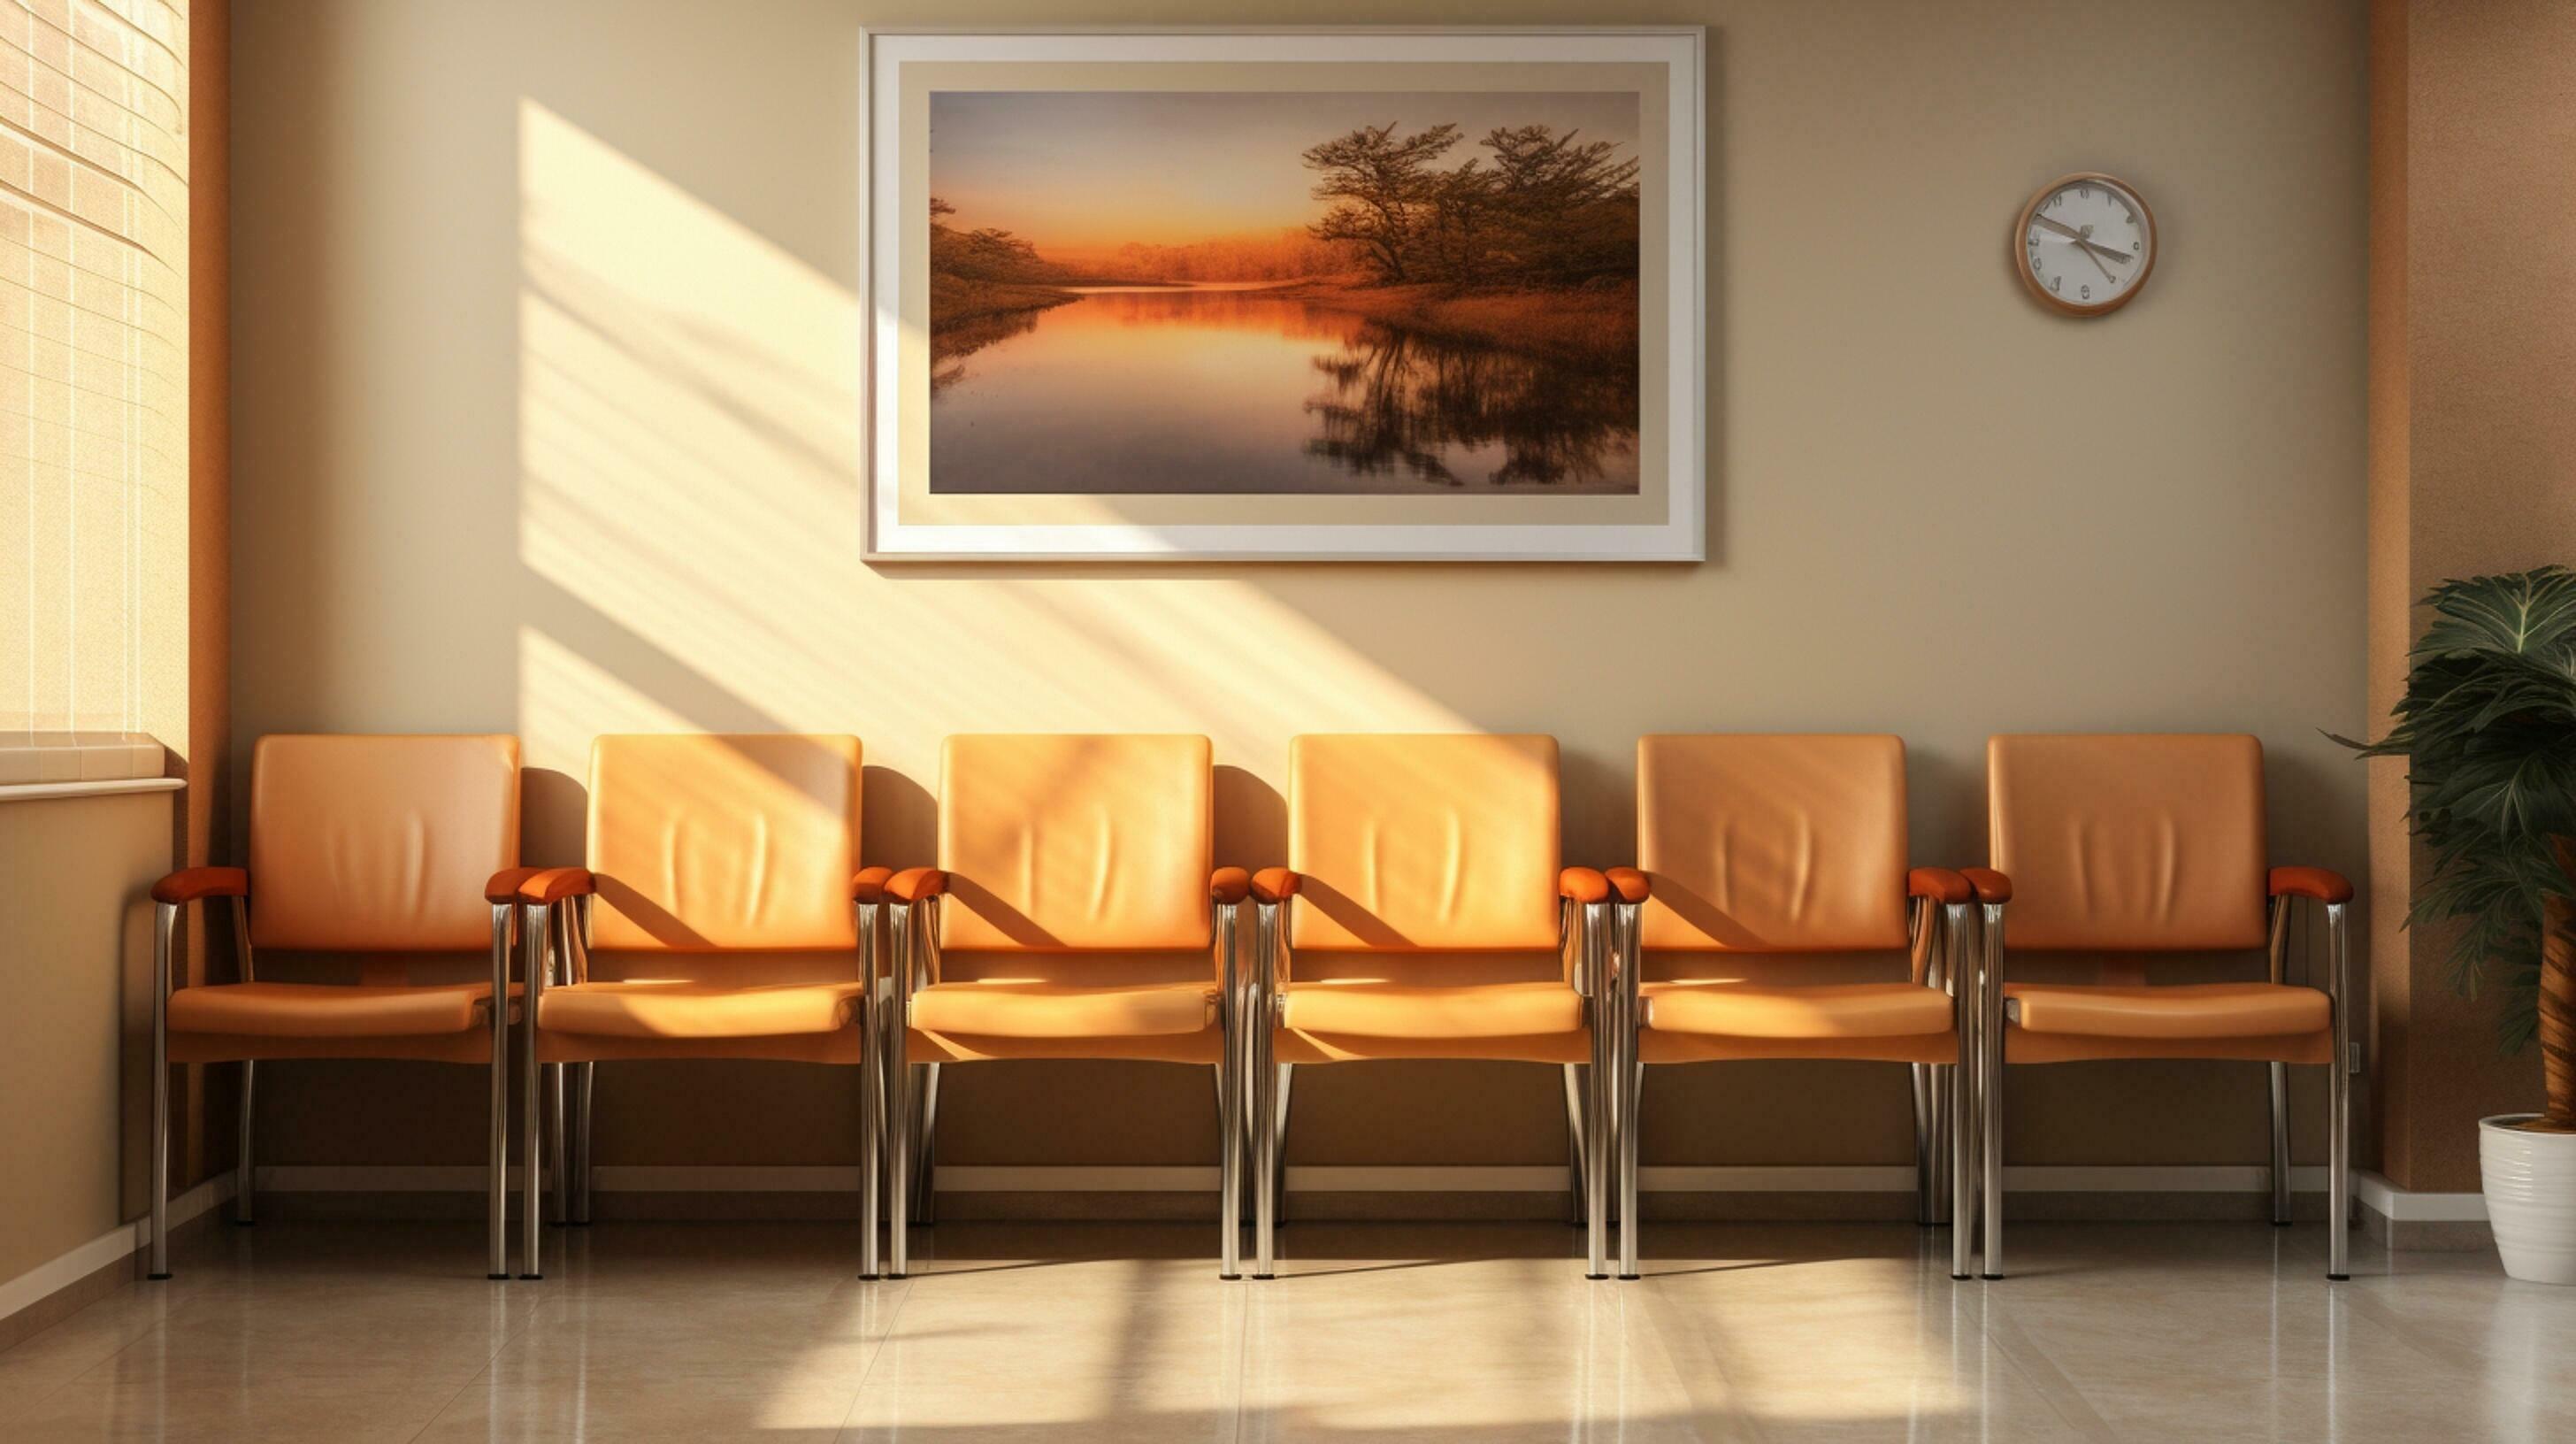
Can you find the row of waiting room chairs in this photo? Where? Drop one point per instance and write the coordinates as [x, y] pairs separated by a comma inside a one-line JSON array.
[[1074, 911]]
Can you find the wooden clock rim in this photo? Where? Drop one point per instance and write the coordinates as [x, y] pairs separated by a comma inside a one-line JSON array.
[[2021, 256]]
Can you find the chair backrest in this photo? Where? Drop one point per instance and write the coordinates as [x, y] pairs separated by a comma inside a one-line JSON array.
[[379, 844], [1772, 844], [1424, 842], [2130, 843], [724, 843], [1064, 843]]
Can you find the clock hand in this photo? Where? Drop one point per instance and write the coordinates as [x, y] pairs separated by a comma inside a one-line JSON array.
[[2078, 237]]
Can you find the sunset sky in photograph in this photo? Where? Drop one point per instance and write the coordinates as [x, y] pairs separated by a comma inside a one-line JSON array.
[[1083, 172]]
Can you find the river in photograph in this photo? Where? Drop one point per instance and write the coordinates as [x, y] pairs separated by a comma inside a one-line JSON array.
[[1226, 389]]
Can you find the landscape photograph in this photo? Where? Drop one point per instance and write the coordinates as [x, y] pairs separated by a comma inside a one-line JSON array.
[[1284, 293]]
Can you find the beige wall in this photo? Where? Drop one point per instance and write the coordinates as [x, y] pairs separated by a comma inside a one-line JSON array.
[[2472, 449], [76, 1039], [547, 412]]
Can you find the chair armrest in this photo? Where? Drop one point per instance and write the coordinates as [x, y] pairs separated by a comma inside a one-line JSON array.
[[869, 885], [1275, 885], [2323, 884], [554, 884], [195, 884], [1989, 885], [505, 884], [915, 883], [1582, 885], [1940, 884], [1229, 885], [1627, 884]]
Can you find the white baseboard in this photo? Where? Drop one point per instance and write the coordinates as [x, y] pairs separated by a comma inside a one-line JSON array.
[[123, 1241], [2400, 1205], [1117, 1178]]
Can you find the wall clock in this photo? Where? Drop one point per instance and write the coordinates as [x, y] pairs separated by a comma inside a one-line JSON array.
[[2085, 244]]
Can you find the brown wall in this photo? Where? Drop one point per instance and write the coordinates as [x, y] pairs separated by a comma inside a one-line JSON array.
[[2473, 457], [487, 479]]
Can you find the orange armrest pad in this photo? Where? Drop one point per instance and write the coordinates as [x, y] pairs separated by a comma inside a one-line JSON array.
[[1630, 884], [190, 884], [505, 884], [915, 883], [555, 884], [1275, 884], [1582, 885], [1990, 885], [1229, 885], [1940, 884], [869, 885], [2323, 884]]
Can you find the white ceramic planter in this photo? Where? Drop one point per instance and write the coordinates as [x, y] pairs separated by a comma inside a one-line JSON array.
[[2531, 1197]]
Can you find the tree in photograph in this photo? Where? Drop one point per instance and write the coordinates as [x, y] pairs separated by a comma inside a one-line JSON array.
[[1570, 209], [1379, 183]]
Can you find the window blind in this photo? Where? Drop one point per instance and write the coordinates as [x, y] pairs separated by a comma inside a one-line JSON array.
[[93, 362]]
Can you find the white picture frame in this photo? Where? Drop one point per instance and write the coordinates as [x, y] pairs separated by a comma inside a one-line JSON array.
[[1665, 522]]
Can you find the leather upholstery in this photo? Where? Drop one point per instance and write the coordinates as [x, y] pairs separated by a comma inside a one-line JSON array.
[[1772, 843], [869, 884], [503, 886], [1823, 1010], [1989, 885], [554, 884], [1424, 842], [1630, 884], [380, 844], [708, 843], [2130, 842], [1067, 843], [2180, 1010], [1390, 1010], [328, 1010], [1010, 1009], [649, 1008], [1229, 885], [1276, 884], [915, 883], [195, 884]]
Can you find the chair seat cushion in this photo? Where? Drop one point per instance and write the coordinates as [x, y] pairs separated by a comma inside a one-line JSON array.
[[1366, 1009], [1002, 1009], [2189, 1010], [1825, 1010], [672, 1009], [325, 1010]]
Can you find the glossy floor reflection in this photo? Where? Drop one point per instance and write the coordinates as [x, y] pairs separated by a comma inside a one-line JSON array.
[[1375, 1333]]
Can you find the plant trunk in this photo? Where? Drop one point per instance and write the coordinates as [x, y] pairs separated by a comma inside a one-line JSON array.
[[2558, 998]]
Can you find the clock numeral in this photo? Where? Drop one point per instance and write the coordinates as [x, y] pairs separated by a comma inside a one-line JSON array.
[[2084, 292], [2055, 281], [2084, 191], [2136, 246]]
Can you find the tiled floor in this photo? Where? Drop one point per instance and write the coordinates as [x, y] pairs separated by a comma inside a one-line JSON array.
[[1375, 1333]]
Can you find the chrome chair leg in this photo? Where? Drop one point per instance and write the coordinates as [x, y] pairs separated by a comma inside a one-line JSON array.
[[585, 1089], [2339, 1095], [556, 1170], [898, 1105], [1966, 1119], [1922, 1074], [1993, 1018], [871, 1114], [245, 1192], [1279, 1169], [1229, 1096], [1596, 1102], [532, 941], [2280, 1144], [1632, 1078], [1266, 1150], [496, 1181], [1576, 1090], [165, 918], [926, 1147]]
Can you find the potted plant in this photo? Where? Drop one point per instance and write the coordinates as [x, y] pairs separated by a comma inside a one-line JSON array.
[[2488, 727]]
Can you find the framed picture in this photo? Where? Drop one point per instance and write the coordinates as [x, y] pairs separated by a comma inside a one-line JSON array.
[[1286, 294]]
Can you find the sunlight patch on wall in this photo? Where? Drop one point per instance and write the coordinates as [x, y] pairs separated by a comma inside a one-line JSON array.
[[691, 523]]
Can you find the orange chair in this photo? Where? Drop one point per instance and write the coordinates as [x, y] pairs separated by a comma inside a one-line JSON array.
[[383, 846], [1429, 918], [1770, 904], [725, 906], [2112, 850], [1071, 915]]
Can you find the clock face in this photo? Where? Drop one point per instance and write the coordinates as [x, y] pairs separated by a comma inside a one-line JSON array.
[[2085, 245]]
